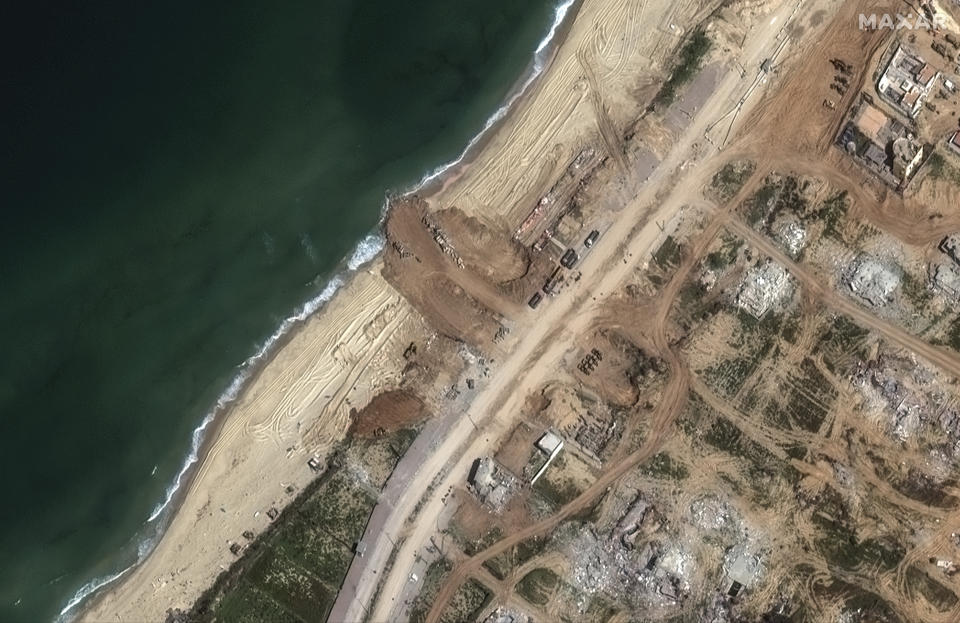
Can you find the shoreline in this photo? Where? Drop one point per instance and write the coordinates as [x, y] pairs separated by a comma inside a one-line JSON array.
[[208, 430]]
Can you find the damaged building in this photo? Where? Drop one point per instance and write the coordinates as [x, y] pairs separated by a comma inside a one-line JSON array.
[[764, 287], [872, 281], [492, 483]]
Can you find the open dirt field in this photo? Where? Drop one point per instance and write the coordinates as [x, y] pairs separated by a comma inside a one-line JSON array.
[[909, 591], [642, 357]]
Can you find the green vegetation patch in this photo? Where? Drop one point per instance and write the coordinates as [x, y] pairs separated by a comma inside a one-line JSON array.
[[730, 179], [288, 584], [247, 604], [669, 254], [833, 213], [778, 195], [943, 170], [553, 488], [763, 468], [688, 63], [810, 397], [433, 579], [466, 603], [726, 254], [838, 544], [953, 335], [915, 290], [293, 571], [471, 547], [939, 596], [665, 467], [538, 586], [499, 566], [843, 341]]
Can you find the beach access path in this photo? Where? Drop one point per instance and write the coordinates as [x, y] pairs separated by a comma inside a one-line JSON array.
[[538, 351]]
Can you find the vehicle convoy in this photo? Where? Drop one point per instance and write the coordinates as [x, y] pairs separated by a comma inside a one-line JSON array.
[[591, 238]]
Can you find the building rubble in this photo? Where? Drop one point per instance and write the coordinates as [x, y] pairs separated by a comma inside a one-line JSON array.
[[764, 286], [872, 281]]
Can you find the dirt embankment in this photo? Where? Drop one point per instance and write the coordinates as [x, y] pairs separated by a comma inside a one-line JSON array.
[[388, 412]]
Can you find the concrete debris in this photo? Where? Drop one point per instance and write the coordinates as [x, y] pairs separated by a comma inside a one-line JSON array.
[[629, 526], [872, 281], [947, 566], [946, 277], [709, 513], [492, 484], [903, 397], [592, 431], [742, 565], [951, 246], [764, 287], [507, 615], [793, 237]]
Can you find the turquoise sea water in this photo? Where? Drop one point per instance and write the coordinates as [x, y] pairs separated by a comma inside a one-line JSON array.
[[178, 179]]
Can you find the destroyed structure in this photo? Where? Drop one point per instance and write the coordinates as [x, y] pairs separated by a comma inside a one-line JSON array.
[[872, 281], [507, 615], [793, 237], [492, 483], [946, 278], [763, 287]]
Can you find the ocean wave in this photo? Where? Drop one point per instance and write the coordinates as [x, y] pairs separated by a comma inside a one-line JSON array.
[[540, 56], [88, 589], [365, 251]]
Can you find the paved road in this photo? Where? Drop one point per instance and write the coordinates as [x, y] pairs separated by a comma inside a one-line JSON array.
[[532, 359], [379, 528]]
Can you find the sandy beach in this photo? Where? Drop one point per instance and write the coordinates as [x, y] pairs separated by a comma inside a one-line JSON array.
[[300, 402], [295, 408]]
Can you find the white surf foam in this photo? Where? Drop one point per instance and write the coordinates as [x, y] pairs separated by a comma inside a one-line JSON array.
[[540, 57], [88, 589], [365, 251]]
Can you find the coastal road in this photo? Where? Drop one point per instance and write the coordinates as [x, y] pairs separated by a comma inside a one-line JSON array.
[[536, 353]]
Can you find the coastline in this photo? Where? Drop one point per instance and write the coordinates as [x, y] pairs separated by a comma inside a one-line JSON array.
[[365, 254]]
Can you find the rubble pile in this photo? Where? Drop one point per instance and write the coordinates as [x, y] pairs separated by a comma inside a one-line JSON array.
[[765, 286], [872, 281]]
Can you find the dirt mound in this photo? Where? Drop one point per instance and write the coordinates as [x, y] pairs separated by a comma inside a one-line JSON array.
[[388, 412], [487, 251]]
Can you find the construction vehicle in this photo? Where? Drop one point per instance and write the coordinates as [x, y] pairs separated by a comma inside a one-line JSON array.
[[556, 277]]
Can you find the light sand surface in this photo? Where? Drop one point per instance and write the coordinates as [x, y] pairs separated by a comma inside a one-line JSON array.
[[558, 118], [300, 402], [296, 406]]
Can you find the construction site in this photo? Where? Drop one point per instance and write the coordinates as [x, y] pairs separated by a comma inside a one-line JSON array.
[[700, 362]]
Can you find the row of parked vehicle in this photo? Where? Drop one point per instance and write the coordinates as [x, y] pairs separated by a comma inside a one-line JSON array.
[[568, 260]]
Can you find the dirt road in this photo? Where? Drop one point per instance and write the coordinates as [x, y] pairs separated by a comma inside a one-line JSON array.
[[542, 344], [820, 288]]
